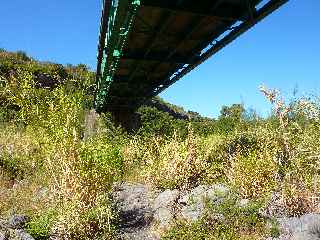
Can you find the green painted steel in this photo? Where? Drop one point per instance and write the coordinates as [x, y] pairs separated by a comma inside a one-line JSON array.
[[120, 19]]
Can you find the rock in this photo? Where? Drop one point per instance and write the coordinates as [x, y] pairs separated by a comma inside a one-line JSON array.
[[305, 236], [307, 227], [280, 238], [289, 225], [3, 235], [22, 235], [141, 209], [166, 198], [311, 222], [192, 213], [314, 228], [18, 221], [164, 217], [134, 203], [164, 206], [91, 124], [194, 202], [12, 229]]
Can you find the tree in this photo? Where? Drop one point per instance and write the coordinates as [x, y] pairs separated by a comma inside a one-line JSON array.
[[230, 117], [23, 56], [235, 112]]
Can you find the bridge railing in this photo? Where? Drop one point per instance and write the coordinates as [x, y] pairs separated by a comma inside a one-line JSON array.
[[116, 21]]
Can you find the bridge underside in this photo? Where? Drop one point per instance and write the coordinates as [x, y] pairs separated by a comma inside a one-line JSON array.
[[160, 41]]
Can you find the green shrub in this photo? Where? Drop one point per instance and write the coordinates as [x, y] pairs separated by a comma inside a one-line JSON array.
[[40, 226]]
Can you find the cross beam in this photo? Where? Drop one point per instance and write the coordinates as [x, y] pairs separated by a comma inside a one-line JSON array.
[[224, 14], [158, 57]]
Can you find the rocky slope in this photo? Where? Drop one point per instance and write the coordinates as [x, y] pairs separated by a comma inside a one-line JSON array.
[[144, 213]]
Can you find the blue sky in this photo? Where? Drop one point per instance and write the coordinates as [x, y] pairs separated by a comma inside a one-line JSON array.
[[282, 51]]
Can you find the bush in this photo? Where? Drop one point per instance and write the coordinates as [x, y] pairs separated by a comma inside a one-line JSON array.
[[40, 226]]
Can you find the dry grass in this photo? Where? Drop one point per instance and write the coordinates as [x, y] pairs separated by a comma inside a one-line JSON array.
[[165, 163], [47, 155]]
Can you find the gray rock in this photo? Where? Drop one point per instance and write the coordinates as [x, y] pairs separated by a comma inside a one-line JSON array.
[[134, 203], [244, 203], [164, 216], [195, 201], [18, 221], [192, 212], [305, 236], [164, 206], [283, 237], [311, 222], [141, 209], [314, 228], [22, 235], [13, 228], [3, 235], [213, 193], [307, 227], [166, 198], [289, 225]]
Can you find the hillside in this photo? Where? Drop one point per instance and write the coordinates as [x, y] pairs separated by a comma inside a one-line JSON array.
[[68, 173]]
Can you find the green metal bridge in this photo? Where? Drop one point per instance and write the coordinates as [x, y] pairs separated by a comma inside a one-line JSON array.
[[147, 45]]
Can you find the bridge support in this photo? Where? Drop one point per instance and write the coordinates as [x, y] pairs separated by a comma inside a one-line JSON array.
[[126, 118]]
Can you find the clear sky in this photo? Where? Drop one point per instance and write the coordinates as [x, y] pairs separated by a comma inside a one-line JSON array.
[[282, 51]]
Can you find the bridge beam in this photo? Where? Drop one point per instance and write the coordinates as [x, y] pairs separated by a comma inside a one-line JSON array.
[[159, 57], [226, 13]]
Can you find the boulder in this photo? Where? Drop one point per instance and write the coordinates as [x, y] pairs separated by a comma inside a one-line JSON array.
[[135, 211], [13, 228], [194, 202], [18, 221], [23, 235], [164, 207], [3, 235], [306, 227]]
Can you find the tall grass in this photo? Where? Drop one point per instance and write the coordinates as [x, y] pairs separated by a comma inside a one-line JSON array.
[[42, 149]]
